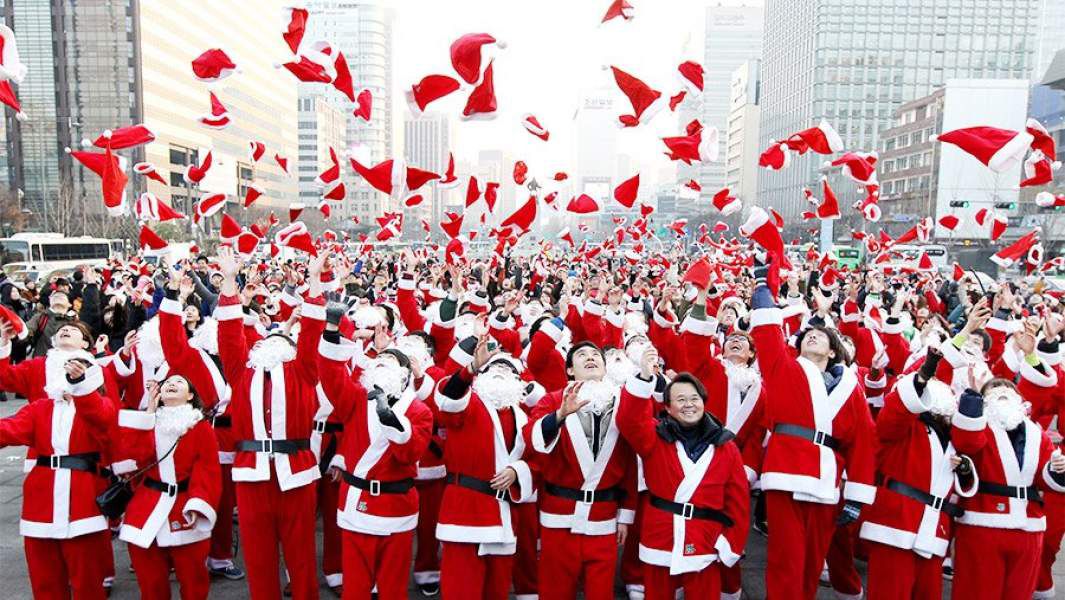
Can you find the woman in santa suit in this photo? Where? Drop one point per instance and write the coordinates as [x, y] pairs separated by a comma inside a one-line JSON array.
[[63, 531], [169, 520], [698, 504]]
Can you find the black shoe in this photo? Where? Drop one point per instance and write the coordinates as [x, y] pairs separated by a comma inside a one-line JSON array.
[[288, 590], [232, 572], [429, 589], [948, 572]]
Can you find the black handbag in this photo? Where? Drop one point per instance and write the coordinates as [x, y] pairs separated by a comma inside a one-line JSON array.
[[113, 501]]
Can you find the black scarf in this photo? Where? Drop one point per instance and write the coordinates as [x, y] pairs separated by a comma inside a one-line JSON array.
[[695, 439]]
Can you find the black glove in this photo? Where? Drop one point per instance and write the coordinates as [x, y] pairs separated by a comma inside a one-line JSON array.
[[850, 513], [761, 269], [931, 362], [334, 311], [384, 411]]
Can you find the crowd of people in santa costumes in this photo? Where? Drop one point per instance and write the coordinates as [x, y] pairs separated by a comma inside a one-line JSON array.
[[643, 414]]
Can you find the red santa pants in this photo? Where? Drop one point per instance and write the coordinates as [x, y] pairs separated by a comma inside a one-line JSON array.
[[897, 574], [466, 576], [328, 496], [631, 567], [526, 558], [1055, 512], [221, 553], [152, 566], [842, 574], [568, 558], [269, 516], [800, 535], [995, 564], [731, 582], [381, 560], [660, 585], [58, 567], [427, 558]]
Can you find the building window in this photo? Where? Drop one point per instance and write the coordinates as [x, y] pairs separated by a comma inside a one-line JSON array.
[[177, 179], [177, 156]]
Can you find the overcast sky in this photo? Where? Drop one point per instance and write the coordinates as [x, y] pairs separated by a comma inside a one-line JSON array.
[[555, 48]]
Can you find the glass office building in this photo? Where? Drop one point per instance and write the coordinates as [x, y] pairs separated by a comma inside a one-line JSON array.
[[854, 62]]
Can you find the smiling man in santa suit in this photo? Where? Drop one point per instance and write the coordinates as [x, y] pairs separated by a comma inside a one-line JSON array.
[[589, 480], [820, 425], [480, 406], [273, 407]]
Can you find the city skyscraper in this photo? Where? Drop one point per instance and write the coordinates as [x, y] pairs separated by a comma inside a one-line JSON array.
[[362, 30], [741, 139], [426, 142], [854, 62], [733, 36], [321, 127]]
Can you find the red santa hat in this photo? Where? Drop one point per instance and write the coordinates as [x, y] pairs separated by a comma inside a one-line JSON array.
[[720, 227], [281, 162], [567, 237], [449, 180], [430, 89], [473, 191], [296, 236], [455, 251], [124, 137], [776, 157], [256, 150], [213, 66], [252, 194], [453, 225], [691, 76], [997, 220], [646, 102], [533, 126], [229, 229], [957, 272], [294, 211], [481, 104], [195, 173], [294, 25], [12, 320], [698, 145], [363, 106], [924, 263], [335, 191], [522, 218], [219, 117], [725, 203], [822, 139], [999, 149], [760, 228], [618, 8], [949, 222], [343, 82], [678, 226], [8, 98], [384, 176], [676, 99], [148, 170], [113, 185], [1034, 257], [859, 166], [11, 66], [325, 209], [150, 241], [246, 242], [871, 210], [693, 185], [208, 206], [582, 204], [521, 171], [1038, 170], [467, 54], [1042, 141], [149, 208], [626, 192], [1017, 250], [829, 207], [1048, 200], [313, 63], [491, 192]]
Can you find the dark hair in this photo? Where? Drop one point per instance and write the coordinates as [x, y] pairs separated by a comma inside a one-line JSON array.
[[196, 401], [750, 343], [684, 377], [86, 333], [401, 358], [585, 344], [389, 315], [834, 344], [997, 382], [278, 335], [430, 343], [540, 321], [985, 339]]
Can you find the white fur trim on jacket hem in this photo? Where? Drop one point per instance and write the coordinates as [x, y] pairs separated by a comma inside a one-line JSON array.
[[859, 492]]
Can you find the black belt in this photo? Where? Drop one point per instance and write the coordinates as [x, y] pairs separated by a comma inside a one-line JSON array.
[[477, 485], [328, 427], [222, 421], [613, 494], [1010, 491], [936, 502], [690, 511], [75, 462], [274, 446], [818, 437], [375, 487], [169, 489]]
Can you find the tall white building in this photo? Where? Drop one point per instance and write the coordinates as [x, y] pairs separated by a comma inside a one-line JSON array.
[[733, 36], [362, 30], [1051, 36], [320, 126], [741, 138], [426, 142]]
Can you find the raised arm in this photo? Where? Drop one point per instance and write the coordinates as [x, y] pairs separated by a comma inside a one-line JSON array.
[[232, 345]]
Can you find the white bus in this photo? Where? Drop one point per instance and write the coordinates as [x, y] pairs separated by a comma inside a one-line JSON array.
[[37, 256]]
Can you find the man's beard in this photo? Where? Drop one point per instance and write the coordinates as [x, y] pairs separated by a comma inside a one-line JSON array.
[[499, 390], [386, 375], [619, 369], [176, 420], [150, 344], [465, 327], [414, 348], [206, 337], [601, 395], [741, 376], [941, 399], [1005, 408], [366, 317], [271, 353], [635, 323]]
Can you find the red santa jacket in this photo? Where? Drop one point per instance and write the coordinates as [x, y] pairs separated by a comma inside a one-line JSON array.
[[481, 442], [161, 517], [431, 464], [1042, 385], [199, 369], [996, 462], [60, 503], [911, 453], [289, 415], [567, 461], [796, 395], [546, 361], [716, 481]]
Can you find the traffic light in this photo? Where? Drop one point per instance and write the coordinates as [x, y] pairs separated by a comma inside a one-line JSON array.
[[959, 204], [1006, 205]]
